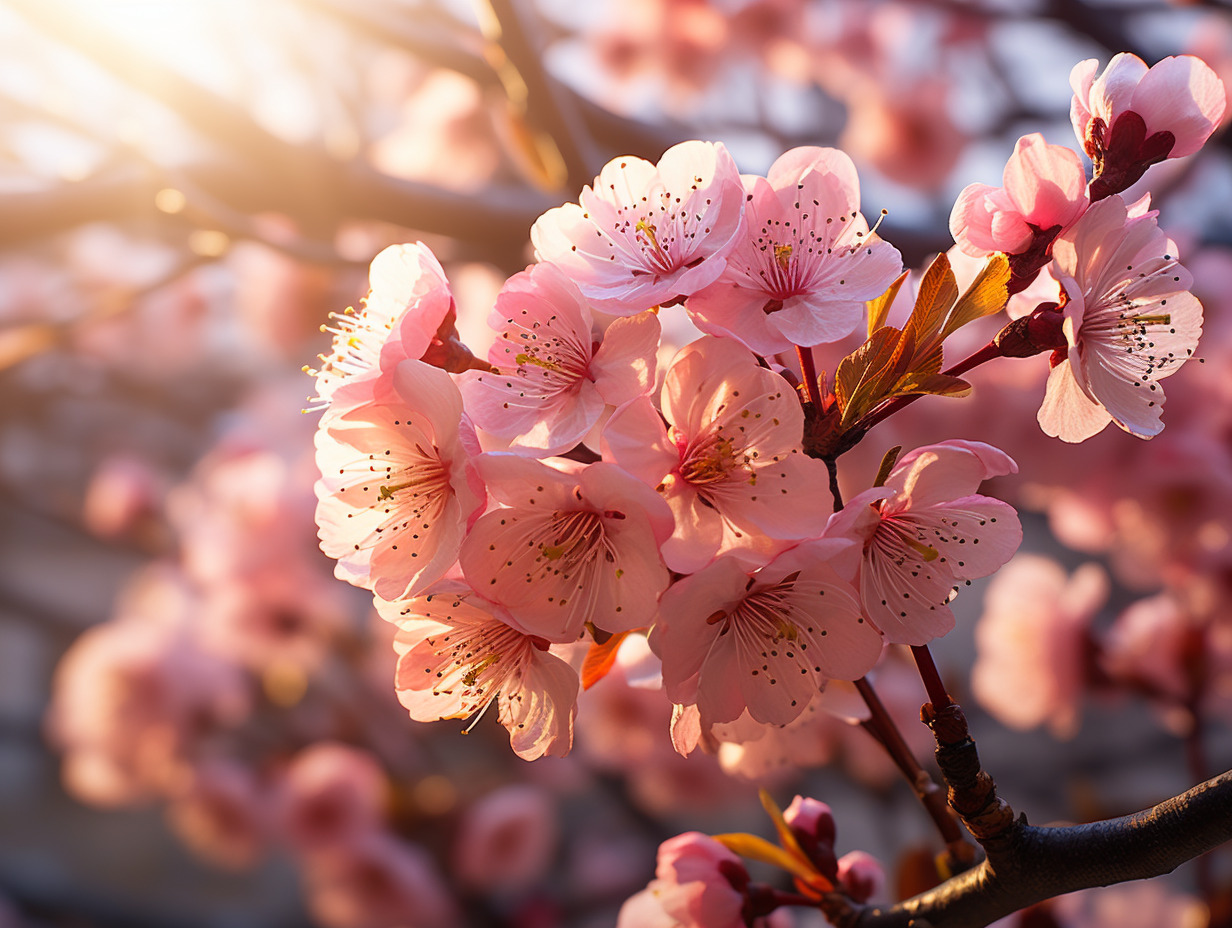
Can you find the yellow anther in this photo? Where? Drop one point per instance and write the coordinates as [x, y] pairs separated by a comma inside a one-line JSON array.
[[538, 362]]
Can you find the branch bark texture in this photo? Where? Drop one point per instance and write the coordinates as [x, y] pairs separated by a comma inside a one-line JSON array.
[[1030, 864]]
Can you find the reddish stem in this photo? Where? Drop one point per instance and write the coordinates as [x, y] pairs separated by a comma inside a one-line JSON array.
[[808, 371], [931, 796], [937, 694]]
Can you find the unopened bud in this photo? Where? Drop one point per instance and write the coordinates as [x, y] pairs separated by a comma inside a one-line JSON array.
[[812, 825], [860, 875], [1034, 334]]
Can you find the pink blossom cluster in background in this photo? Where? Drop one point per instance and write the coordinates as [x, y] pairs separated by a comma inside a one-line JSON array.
[[655, 510]]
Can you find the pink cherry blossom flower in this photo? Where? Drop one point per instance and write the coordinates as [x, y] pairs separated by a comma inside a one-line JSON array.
[[457, 654], [926, 531], [568, 548], [806, 267], [1044, 187], [693, 887], [220, 812], [766, 642], [134, 698], [1181, 97], [552, 381], [377, 882], [902, 126], [408, 302], [395, 490], [1160, 646], [507, 839], [1130, 321], [331, 794], [647, 234], [728, 462], [758, 752], [1031, 643]]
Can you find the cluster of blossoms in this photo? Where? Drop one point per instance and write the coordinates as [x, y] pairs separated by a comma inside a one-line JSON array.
[[518, 517], [503, 510]]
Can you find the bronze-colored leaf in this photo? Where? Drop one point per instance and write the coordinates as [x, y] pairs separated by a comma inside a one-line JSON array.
[[879, 307], [867, 373], [600, 658], [755, 848], [934, 384], [986, 295], [938, 291]]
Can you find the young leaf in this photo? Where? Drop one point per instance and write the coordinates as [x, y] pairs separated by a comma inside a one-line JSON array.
[[934, 384], [986, 295], [600, 659], [879, 307], [938, 291], [755, 848], [867, 373]]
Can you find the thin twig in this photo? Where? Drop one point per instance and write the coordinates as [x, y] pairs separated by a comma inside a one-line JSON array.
[[881, 725]]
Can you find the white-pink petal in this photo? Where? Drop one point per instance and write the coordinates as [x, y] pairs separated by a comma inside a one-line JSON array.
[[395, 493], [646, 234], [455, 657]]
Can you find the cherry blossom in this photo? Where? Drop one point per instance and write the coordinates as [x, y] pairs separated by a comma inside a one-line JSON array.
[[408, 302], [377, 880], [507, 839], [1044, 189], [812, 825], [693, 887], [134, 698], [552, 382], [457, 654], [220, 813], [765, 642], [568, 548], [924, 532], [1032, 641], [1161, 647], [395, 490], [647, 234], [1179, 97], [330, 794], [728, 462], [1129, 322], [806, 267]]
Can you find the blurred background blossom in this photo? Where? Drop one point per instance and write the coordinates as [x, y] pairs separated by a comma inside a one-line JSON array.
[[197, 722]]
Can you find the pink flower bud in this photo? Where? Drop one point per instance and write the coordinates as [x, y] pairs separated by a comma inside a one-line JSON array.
[[860, 875], [813, 826], [812, 817], [696, 886]]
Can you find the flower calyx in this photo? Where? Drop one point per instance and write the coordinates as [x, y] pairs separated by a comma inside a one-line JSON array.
[[1040, 331], [1122, 152]]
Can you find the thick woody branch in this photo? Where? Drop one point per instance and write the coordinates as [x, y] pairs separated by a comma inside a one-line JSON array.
[[1040, 863]]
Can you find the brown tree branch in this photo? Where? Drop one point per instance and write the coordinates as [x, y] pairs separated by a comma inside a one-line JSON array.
[[1040, 863], [537, 97], [257, 171], [959, 852]]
